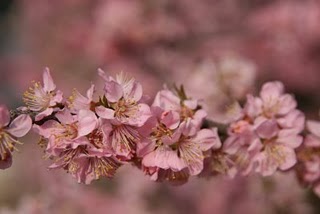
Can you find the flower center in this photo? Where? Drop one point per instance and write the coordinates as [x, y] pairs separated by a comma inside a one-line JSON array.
[[36, 98], [96, 138], [125, 109], [186, 112]]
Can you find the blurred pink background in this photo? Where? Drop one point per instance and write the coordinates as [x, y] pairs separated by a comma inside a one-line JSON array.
[[220, 51]]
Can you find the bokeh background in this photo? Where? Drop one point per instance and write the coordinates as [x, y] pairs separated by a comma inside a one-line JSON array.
[[219, 49]]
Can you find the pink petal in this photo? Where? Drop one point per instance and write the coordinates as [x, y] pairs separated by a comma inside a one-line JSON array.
[[264, 164], [207, 139], [192, 155], [43, 114], [65, 116], [103, 74], [295, 119], [316, 189], [231, 145], [150, 160], [312, 141], [163, 158], [289, 139], [313, 127], [4, 116], [290, 159], [58, 98], [287, 104], [90, 92], [48, 84], [192, 104], [87, 122], [141, 116], [253, 106], [145, 147], [135, 92], [113, 91], [47, 129], [79, 102], [171, 119], [200, 115], [105, 113], [105, 126], [147, 128], [268, 129], [255, 146], [271, 90], [20, 126], [166, 100]]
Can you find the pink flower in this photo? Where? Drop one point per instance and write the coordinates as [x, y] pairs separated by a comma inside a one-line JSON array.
[[242, 145], [175, 145], [9, 132], [187, 108], [271, 103], [43, 99], [309, 157], [79, 143], [123, 95], [83, 167], [69, 130], [187, 153], [122, 108], [266, 136], [278, 148]]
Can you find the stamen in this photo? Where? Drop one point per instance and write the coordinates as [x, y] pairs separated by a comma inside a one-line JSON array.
[[105, 167], [7, 145], [36, 98]]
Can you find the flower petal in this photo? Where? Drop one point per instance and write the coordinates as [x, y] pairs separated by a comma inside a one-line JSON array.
[[207, 139], [87, 122], [287, 104], [43, 114], [314, 127], [105, 113], [253, 106], [171, 119], [113, 91], [164, 158], [48, 84], [165, 99], [65, 116], [268, 129], [289, 138], [294, 120], [90, 92], [4, 116], [271, 90], [290, 158], [20, 126], [135, 93]]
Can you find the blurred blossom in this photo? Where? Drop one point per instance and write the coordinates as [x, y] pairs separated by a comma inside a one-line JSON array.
[[219, 84], [309, 157], [264, 139], [288, 30], [10, 131]]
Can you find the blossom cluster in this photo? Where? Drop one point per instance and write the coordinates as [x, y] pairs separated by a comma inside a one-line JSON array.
[[169, 138], [92, 136], [265, 136]]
